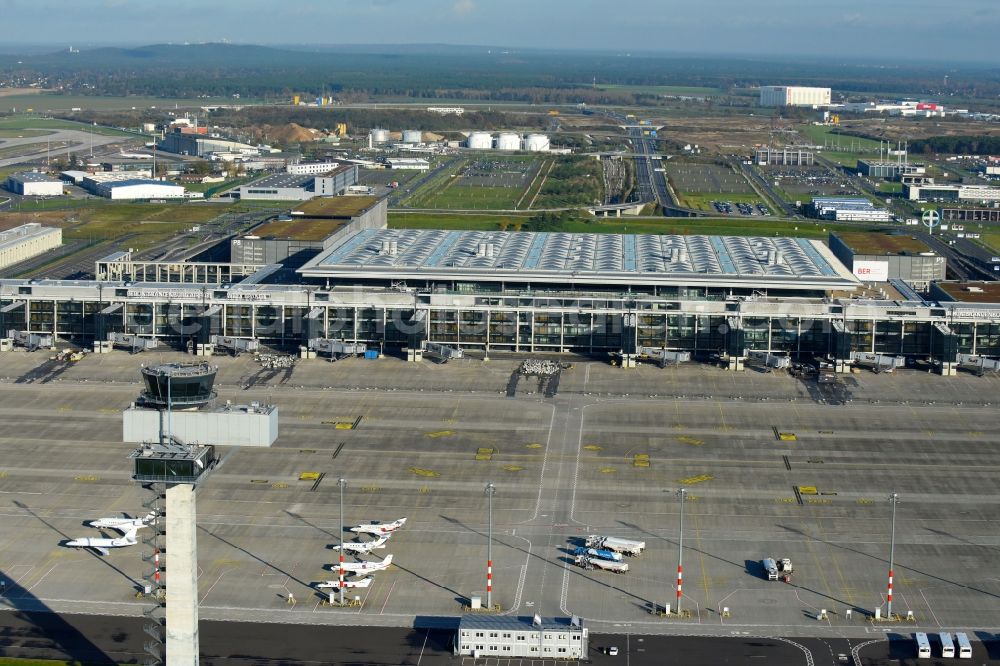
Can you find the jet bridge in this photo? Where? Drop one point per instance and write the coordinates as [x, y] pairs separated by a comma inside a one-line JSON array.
[[443, 352], [233, 346], [30, 341], [878, 362], [663, 356], [980, 365], [132, 342], [335, 349], [770, 361]]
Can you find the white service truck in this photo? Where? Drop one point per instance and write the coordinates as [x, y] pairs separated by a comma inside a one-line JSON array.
[[617, 544], [597, 563]]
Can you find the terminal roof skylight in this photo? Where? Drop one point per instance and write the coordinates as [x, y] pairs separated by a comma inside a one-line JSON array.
[[413, 251]]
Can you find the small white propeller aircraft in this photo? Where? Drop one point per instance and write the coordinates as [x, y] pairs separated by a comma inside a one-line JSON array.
[[122, 524], [379, 528], [348, 584], [365, 546], [363, 567], [103, 544]]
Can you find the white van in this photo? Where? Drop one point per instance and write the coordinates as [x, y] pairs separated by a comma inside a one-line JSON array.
[[947, 646]]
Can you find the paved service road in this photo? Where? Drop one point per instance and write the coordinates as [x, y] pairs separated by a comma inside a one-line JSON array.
[[101, 640]]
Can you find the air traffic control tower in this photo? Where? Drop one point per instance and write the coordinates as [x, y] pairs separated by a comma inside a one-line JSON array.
[[171, 469]]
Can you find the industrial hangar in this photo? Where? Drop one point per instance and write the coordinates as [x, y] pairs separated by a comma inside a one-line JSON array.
[[715, 297]]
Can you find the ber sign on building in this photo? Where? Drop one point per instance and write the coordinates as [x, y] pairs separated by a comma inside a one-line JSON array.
[[871, 271]]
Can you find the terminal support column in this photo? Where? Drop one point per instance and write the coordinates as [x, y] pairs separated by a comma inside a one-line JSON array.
[[182, 577]]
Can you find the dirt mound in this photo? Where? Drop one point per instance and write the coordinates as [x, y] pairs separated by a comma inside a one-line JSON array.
[[290, 133]]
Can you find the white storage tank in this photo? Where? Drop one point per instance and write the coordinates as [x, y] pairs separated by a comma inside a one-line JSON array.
[[379, 136], [536, 143], [509, 141], [412, 136], [480, 141]]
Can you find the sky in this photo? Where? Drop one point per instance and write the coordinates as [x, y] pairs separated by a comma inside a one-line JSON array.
[[887, 29]]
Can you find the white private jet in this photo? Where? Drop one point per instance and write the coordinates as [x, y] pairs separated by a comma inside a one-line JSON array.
[[365, 546], [363, 567], [348, 584], [379, 528], [122, 524], [134, 156], [103, 544]]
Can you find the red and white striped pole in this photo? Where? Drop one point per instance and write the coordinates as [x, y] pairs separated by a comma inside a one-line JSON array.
[[341, 576], [892, 552], [682, 493], [490, 490], [156, 566]]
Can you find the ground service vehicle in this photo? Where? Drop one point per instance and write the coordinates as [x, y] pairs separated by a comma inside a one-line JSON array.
[[600, 554], [770, 568], [617, 544], [595, 563]]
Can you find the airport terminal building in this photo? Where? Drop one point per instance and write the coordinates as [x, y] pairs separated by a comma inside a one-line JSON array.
[[716, 297]]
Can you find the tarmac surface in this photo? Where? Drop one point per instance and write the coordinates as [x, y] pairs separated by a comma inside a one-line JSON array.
[[773, 467]]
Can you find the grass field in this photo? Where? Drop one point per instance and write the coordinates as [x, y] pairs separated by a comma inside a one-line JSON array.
[[22, 133], [825, 135], [990, 240], [35, 122], [462, 197], [711, 226]]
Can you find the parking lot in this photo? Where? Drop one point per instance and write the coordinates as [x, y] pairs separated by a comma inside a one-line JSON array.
[[604, 456], [807, 182]]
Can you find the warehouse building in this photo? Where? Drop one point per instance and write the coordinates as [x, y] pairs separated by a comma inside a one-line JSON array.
[[889, 170], [34, 184], [848, 209], [27, 241], [140, 188], [199, 145], [545, 639], [794, 96], [884, 257], [783, 157], [941, 192]]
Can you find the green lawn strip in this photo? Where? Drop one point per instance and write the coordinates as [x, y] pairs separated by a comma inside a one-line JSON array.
[[460, 197]]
